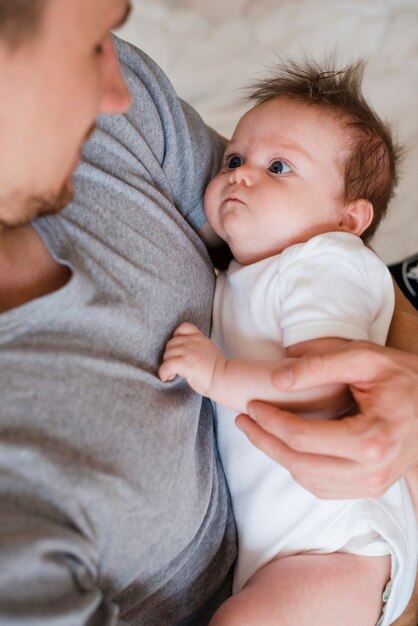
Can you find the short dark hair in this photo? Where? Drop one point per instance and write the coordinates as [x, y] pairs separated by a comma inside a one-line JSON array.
[[371, 168], [19, 20]]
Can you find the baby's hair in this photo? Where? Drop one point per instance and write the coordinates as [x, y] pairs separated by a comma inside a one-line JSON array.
[[370, 169]]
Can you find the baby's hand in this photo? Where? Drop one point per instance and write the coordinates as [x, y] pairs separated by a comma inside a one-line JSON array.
[[193, 356]]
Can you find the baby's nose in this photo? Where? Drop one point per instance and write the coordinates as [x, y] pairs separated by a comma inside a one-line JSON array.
[[242, 175]]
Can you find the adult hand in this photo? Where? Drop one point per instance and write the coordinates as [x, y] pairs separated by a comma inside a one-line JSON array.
[[361, 455]]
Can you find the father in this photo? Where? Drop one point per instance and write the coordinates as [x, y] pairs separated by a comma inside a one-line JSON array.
[[113, 502]]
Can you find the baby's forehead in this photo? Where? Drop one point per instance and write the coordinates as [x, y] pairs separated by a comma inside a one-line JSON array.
[[277, 109], [286, 119]]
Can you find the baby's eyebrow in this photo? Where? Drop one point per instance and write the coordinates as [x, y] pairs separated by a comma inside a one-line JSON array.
[[295, 147], [281, 146]]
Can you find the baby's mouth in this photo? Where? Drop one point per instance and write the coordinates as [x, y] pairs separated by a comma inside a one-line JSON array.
[[233, 199]]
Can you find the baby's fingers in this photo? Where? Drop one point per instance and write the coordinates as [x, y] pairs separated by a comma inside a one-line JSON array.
[[186, 329], [167, 371], [174, 348]]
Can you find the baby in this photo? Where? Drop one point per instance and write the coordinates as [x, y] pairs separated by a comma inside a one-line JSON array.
[[306, 179]]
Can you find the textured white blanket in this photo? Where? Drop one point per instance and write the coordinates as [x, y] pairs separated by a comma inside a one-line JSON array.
[[212, 48]]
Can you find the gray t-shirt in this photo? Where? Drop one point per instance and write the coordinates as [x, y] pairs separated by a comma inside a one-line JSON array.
[[114, 507]]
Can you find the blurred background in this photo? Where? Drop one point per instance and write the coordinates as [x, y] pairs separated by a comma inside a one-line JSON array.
[[211, 49]]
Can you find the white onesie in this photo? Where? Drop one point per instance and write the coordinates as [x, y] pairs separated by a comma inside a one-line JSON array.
[[331, 286]]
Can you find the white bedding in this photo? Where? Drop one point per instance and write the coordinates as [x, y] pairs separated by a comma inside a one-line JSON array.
[[212, 48]]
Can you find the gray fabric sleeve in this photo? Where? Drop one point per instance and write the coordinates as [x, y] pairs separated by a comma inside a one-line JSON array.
[[48, 574], [161, 140], [49, 553]]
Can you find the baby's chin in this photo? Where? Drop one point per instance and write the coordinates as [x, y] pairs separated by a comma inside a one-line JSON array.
[[244, 256]]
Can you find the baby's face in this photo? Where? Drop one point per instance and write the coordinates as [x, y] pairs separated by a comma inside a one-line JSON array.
[[281, 181]]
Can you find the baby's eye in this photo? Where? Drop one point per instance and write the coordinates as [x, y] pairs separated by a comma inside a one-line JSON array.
[[279, 167], [234, 161]]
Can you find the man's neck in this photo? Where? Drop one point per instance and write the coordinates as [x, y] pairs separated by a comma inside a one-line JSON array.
[[27, 269]]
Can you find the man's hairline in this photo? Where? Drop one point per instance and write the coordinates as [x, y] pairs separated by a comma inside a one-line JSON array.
[[34, 30]]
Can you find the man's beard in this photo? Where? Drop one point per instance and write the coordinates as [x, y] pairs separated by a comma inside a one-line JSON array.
[[24, 210]]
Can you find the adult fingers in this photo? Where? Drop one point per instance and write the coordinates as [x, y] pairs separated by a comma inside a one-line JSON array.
[[360, 440], [358, 363], [324, 476]]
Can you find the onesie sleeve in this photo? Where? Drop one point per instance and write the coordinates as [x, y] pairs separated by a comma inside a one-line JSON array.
[[333, 286]]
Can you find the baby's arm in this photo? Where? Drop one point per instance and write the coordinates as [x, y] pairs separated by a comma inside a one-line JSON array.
[[236, 382]]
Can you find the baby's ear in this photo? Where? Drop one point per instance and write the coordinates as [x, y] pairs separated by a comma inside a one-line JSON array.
[[357, 216]]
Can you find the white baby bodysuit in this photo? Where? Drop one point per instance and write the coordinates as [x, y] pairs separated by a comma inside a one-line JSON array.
[[330, 286]]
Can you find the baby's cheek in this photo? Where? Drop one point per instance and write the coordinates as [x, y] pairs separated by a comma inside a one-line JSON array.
[[211, 202]]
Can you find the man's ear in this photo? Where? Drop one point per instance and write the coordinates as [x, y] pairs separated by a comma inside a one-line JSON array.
[[357, 216]]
